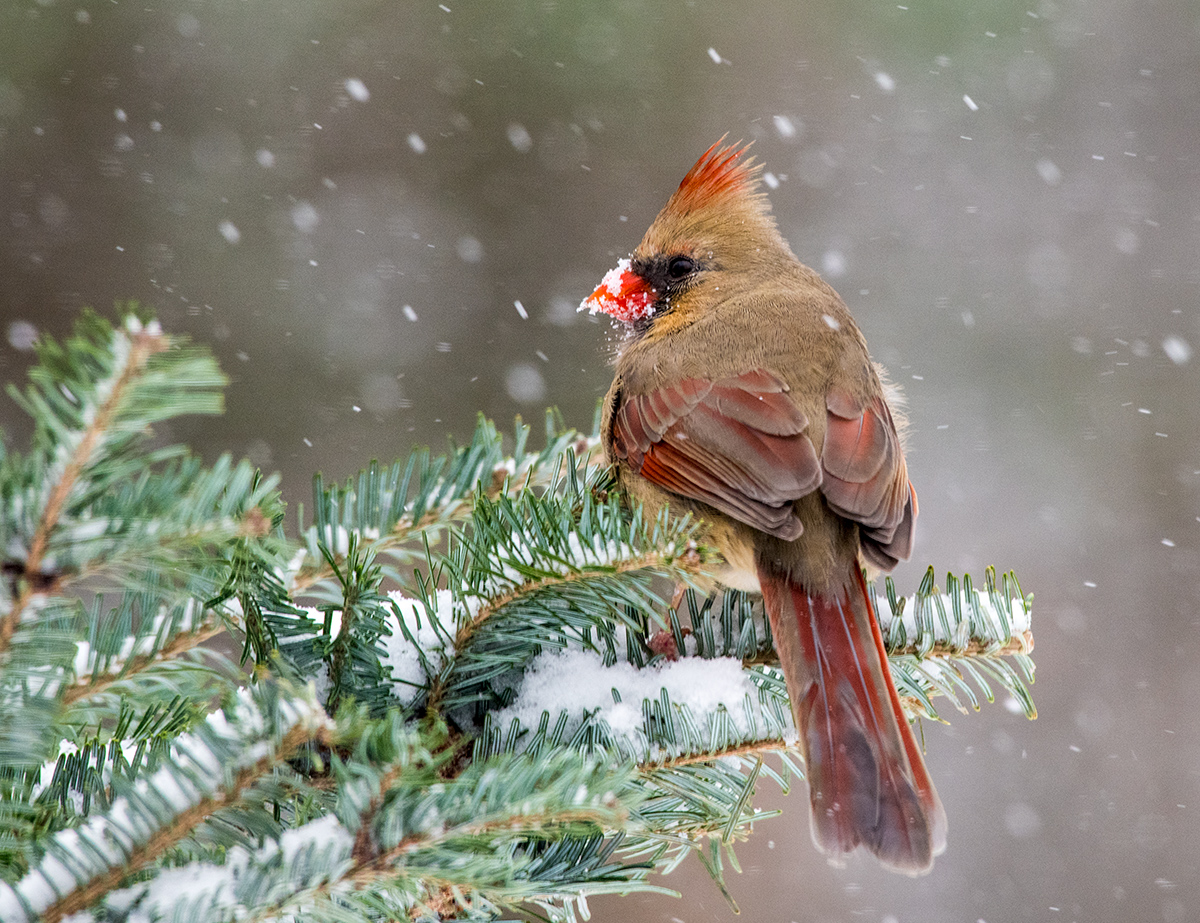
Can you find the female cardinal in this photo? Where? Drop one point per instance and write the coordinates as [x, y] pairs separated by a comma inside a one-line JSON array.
[[745, 395]]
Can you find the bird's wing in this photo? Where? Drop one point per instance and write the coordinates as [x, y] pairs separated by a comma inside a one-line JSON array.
[[865, 477], [737, 444], [740, 445]]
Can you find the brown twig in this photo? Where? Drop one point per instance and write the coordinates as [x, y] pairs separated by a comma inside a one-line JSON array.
[[367, 870], [1017, 644], [757, 748], [365, 847]]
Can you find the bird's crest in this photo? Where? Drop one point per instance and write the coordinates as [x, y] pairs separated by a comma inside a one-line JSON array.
[[720, 178]]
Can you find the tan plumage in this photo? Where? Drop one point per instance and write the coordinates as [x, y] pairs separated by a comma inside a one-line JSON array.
[[745, 394]]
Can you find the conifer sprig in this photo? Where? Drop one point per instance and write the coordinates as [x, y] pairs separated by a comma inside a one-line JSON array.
[[468, 689]]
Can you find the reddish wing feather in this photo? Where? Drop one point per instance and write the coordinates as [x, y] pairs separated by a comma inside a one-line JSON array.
[[666, 467], [737, 444], [757, 401], [866, 478], [771, 468]]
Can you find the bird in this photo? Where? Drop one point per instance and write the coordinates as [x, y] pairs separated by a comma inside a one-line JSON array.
[[744, 395]]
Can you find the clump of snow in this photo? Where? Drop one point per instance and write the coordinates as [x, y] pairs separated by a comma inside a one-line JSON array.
[[357, 90], [220, 887], [403, 656], [603, 554], [325, 831], [87, 661], [340, 543], [577, 682], [189, 884]]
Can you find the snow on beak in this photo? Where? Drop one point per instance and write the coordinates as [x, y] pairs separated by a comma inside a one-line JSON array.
[[622, 294]]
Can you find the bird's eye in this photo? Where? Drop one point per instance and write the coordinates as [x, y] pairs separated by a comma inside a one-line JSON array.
[[680, 267]]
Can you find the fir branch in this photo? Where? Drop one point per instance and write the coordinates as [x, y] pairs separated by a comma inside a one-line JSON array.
[[400, 510], [212, 768], [144, 344], [539, 568], [93, 684], [689, 564], [92, 399], [477, 845]]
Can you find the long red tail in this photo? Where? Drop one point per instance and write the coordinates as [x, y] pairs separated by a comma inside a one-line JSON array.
[[867, 780]]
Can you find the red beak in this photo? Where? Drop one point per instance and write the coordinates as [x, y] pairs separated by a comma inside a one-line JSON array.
[[622, 294]]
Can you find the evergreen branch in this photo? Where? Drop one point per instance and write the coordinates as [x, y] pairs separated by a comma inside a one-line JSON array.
[[145, 342], [92, 399], [166, 837], [211, 768], [689, 564], [478, 843], [1021, 643], [136, 740], [411, 504], [510, 825], [94, 684]]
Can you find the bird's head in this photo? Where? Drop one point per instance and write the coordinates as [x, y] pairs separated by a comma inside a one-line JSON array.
[[714, 228]]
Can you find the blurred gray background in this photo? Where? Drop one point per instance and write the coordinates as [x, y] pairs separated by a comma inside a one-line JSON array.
[[348, 200]]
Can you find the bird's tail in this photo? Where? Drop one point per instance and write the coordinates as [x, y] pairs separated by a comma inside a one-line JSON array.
[[867, 780]]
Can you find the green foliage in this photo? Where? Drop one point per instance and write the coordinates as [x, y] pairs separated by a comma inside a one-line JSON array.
[[390, 745]]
